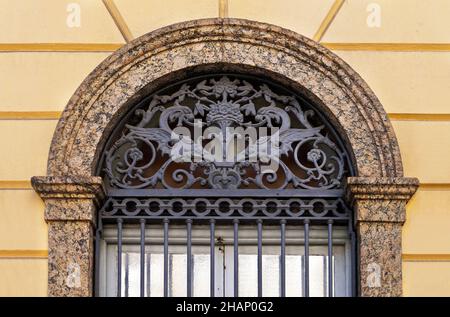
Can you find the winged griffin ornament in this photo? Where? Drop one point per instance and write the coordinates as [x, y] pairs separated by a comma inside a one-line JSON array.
[[154, 154]]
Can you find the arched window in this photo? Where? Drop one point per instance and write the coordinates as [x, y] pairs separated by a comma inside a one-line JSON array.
[[155, 201], [238, 174]]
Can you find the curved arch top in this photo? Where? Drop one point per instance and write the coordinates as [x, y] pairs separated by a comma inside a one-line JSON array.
[[179, 50]]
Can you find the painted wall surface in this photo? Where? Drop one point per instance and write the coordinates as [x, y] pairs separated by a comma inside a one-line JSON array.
[[405, 58]]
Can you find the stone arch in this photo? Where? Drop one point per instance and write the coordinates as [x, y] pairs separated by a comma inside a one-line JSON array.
[[70, 190], [101, 99]]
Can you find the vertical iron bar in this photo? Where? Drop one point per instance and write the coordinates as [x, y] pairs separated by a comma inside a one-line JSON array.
[[142, 276], [212, 258], [330, 258], [189, 257], [119, 257], [170, 291], [127, 274], [283, 259], [166, 257], [260, 273], [306, 277], [148, 274], [236, 257]]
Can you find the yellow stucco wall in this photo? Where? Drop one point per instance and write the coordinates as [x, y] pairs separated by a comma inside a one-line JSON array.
[[413, 85]]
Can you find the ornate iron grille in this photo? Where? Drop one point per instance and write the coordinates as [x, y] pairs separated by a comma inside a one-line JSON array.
[[156, 172]]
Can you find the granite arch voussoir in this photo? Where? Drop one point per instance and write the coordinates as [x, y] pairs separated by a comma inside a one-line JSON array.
[[103, 97]]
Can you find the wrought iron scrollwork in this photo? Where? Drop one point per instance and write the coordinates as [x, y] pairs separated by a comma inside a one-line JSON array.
[[226, 208], [305, 151]]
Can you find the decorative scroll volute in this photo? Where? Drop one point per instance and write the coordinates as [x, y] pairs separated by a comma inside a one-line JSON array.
[[283, 142]]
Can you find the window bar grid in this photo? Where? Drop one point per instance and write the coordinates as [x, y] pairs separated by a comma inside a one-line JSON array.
[[260, 273], [212, 259], [306, 266], [125, 283], [142, 258], [166, 257], [119, 257], [236, 257], [283, 259], [189, 258], [330, 258]]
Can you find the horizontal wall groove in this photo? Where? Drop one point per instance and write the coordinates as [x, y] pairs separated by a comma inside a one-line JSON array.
[[30, 115], [426, 257], [44, 254], [393, 47], [419, 116], [20, 254], [15, 184], [55, 115], [435, 186], [59, 47], [23, 254], [111, 47], [26, 184]]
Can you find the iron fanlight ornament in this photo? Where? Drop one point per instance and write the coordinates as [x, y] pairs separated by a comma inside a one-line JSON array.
[[288, 132]]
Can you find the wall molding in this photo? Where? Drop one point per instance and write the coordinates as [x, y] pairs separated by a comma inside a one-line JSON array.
[[26, 185], [419, 116], [59, 47], [399, 47], [15, 184], [23, 254], [43, 254], [435, 186], [328, 20], [30, 115], [55, 115], [111, 47], [426, 257]]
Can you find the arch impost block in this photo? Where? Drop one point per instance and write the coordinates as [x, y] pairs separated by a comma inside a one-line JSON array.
[[71, 198], [68, 187], [380, 199], [368, 188]]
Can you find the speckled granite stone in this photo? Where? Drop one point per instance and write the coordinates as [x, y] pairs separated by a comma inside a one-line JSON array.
[[379, 207], [70, 209], [70, 258], [182, 50]]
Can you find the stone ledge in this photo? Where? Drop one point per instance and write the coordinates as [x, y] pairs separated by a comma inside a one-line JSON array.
[[368, 188], [69, 198], [71, 187]]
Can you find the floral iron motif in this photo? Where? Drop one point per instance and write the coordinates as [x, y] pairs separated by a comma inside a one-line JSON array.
[[307, 157]]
